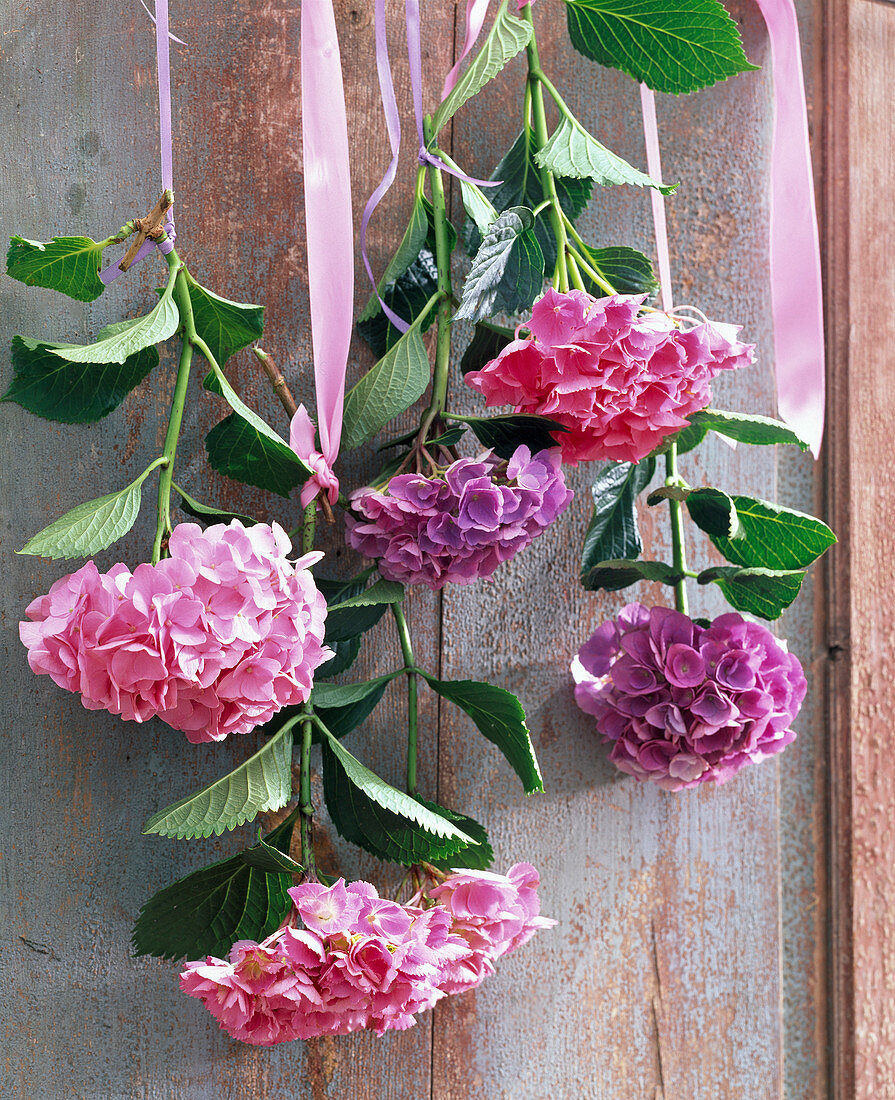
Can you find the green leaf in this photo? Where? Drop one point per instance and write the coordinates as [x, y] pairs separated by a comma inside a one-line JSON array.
[[507, 272], [486, 344], [207, 514], [263, 782], [572, 151], [774, 537], [120, 341], [238, 449], [67, 264], [206, 912], [746, 428], [478, 856], [500, 717], [762, 592], [612, 532], [342, 707], [408, 296], [267, 858], [382, 820], [668, 492], [614, 575], [503, 434], [671, 48], [521, 186], [412, 243], [346, 651], [625, 269], [686, 439], [225, 326], [92, 526], [714, 512], [507, 37], [478, 206], [359, 613], [73, 393], [446, 439], [380, 592], [387, 389]]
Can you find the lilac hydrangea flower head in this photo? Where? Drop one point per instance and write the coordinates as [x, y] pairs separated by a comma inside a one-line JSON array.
[[684, 704], [618, 380], [460, 526], [214, 639]]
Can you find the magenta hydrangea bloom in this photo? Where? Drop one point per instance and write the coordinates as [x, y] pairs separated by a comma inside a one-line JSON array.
[[493, 914], [685, 704], [213, 640], [461, 526], [618, 380], [363, 961]]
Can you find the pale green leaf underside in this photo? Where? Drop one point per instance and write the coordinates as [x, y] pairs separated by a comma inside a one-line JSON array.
[[67, 264], [572, 151], [89, 528], [119, 341]]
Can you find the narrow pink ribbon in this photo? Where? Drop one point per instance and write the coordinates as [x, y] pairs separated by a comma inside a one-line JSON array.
[[654, 167], [796, 293], [166, 142], [327, 188], [476, 10]]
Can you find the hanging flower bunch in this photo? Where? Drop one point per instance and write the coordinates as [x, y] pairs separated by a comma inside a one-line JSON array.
[[217, 629]]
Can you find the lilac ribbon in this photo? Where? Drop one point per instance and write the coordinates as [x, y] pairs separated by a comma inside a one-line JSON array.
[[327, 189], [796, 293], [476, 10], [166, 142]]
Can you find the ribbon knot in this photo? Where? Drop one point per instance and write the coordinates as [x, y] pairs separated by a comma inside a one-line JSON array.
[[301, 440]]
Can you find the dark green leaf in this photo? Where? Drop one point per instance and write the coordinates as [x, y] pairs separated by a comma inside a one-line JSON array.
[[67, 264], [486, 345], [762, 592], [478, 856], [507, 37], [73, 393], [342, 707], [380, 592], [521, 186], [746, 428], [774, 537], [382, 820], [500, 717], [387, 389], [206, 912], [119, 342], [346, 652], [267, 858], [507, 272], [668, 492], [503, 434], [572, 151], [625, 269], [671, 48], [207, 514], [225, 326], [714, 512], [612, 532], [238, 449], [263, 782], [614, 575], [90, 527], [686, 439]]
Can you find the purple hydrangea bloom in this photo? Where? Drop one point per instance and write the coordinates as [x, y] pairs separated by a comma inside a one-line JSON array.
[[685, 704], [461, 526]]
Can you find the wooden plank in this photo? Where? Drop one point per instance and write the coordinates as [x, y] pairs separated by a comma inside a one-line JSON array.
[[663, 977]]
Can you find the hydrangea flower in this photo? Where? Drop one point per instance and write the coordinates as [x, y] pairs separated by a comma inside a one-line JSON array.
[[619, 382], [684, 704], [214, 639], [362, 961], [462, 525]]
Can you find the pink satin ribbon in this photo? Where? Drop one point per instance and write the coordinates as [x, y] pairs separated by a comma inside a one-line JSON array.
[[796, 292], [327, 189], [654, 168], [476, 10], [166, 142]]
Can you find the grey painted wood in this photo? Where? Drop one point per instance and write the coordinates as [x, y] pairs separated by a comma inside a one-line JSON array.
[[664, 975]]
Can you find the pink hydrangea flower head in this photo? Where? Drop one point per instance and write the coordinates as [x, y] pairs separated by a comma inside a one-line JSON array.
[[460, 526], [618, 380], [683, 704], [214, 639], [493, 914]]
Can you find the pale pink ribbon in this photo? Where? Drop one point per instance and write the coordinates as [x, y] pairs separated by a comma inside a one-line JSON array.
[[476, 10], [166, 142], [796, 294], [327, 188]]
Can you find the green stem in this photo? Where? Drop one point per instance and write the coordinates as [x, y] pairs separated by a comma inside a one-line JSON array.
[[412, 705], [443, 322], [541, 137], [574, 274], [181, 295], [679, 555], [576, 258]]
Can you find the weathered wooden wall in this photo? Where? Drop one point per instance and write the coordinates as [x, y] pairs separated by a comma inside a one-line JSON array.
[[667, 974]]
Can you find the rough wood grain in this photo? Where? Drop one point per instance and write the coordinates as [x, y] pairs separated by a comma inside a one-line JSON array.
[[663, 979]]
